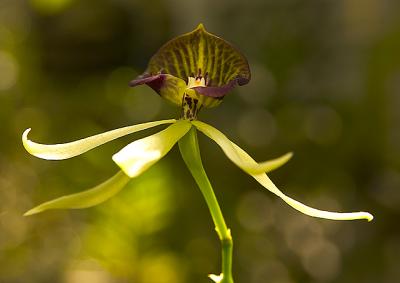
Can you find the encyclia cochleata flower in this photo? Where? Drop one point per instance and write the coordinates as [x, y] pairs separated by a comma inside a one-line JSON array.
[[193, 71]]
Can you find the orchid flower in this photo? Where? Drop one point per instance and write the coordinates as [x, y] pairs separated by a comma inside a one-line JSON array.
[[194, 70]]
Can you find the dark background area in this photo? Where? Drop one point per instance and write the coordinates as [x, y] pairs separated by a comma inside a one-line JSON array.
[[325, 85]]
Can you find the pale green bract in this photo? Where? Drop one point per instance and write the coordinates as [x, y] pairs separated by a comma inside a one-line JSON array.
[[139, 155]]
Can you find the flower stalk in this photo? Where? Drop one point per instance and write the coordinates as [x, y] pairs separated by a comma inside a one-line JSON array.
[[189, 148]]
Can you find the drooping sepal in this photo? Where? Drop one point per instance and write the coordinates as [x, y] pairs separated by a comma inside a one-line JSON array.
[[235, 155], [242, 159], [266, 182], [88, 198]]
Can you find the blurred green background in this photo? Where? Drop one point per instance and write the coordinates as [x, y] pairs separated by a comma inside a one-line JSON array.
[[326, 85]]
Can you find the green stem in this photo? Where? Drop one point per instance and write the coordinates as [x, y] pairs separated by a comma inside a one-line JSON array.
[[190, 151]]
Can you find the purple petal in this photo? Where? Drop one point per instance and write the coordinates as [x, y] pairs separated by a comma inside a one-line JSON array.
[[217, 91], [166, 85], [153, 81]]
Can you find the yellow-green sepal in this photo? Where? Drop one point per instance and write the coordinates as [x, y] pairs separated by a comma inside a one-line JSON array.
[[71, 149], [141, 154], [87, 198], [236, 156]]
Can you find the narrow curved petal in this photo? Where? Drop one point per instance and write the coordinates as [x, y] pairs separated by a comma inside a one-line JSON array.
[[264, 180], [267, 183], [85, 199], [266, 166], [139, 155], [236, 156], [71, 149]]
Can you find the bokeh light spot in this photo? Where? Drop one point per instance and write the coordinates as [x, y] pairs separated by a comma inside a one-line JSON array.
[[143, 105], [385, 189], [274, 270], [8, 70], [34, 118], [86, 271], [50, 6], [323, 125], [257, 127], [300, 232], [255, 211], [322, 260], [261, 88], [202, 255], [116, 83], [163, 268], [391, 251]]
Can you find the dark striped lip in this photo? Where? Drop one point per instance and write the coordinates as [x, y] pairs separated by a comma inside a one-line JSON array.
[[197, 54]]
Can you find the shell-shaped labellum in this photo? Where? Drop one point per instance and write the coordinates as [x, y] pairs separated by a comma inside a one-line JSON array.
[[202, 56]]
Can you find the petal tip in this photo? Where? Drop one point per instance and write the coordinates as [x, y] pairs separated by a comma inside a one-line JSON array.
[[118, 159], [32, 211], [200, 27], [216, 278], [362, 215], [288, 156], [369, 216], [26, 141], [25, 134], [123, 163]]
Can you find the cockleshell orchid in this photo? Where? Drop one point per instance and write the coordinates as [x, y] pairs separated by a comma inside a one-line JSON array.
[[192, 71]]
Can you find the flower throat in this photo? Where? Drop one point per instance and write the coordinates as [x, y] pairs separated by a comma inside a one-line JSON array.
[[190, 107], [190, 101]]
